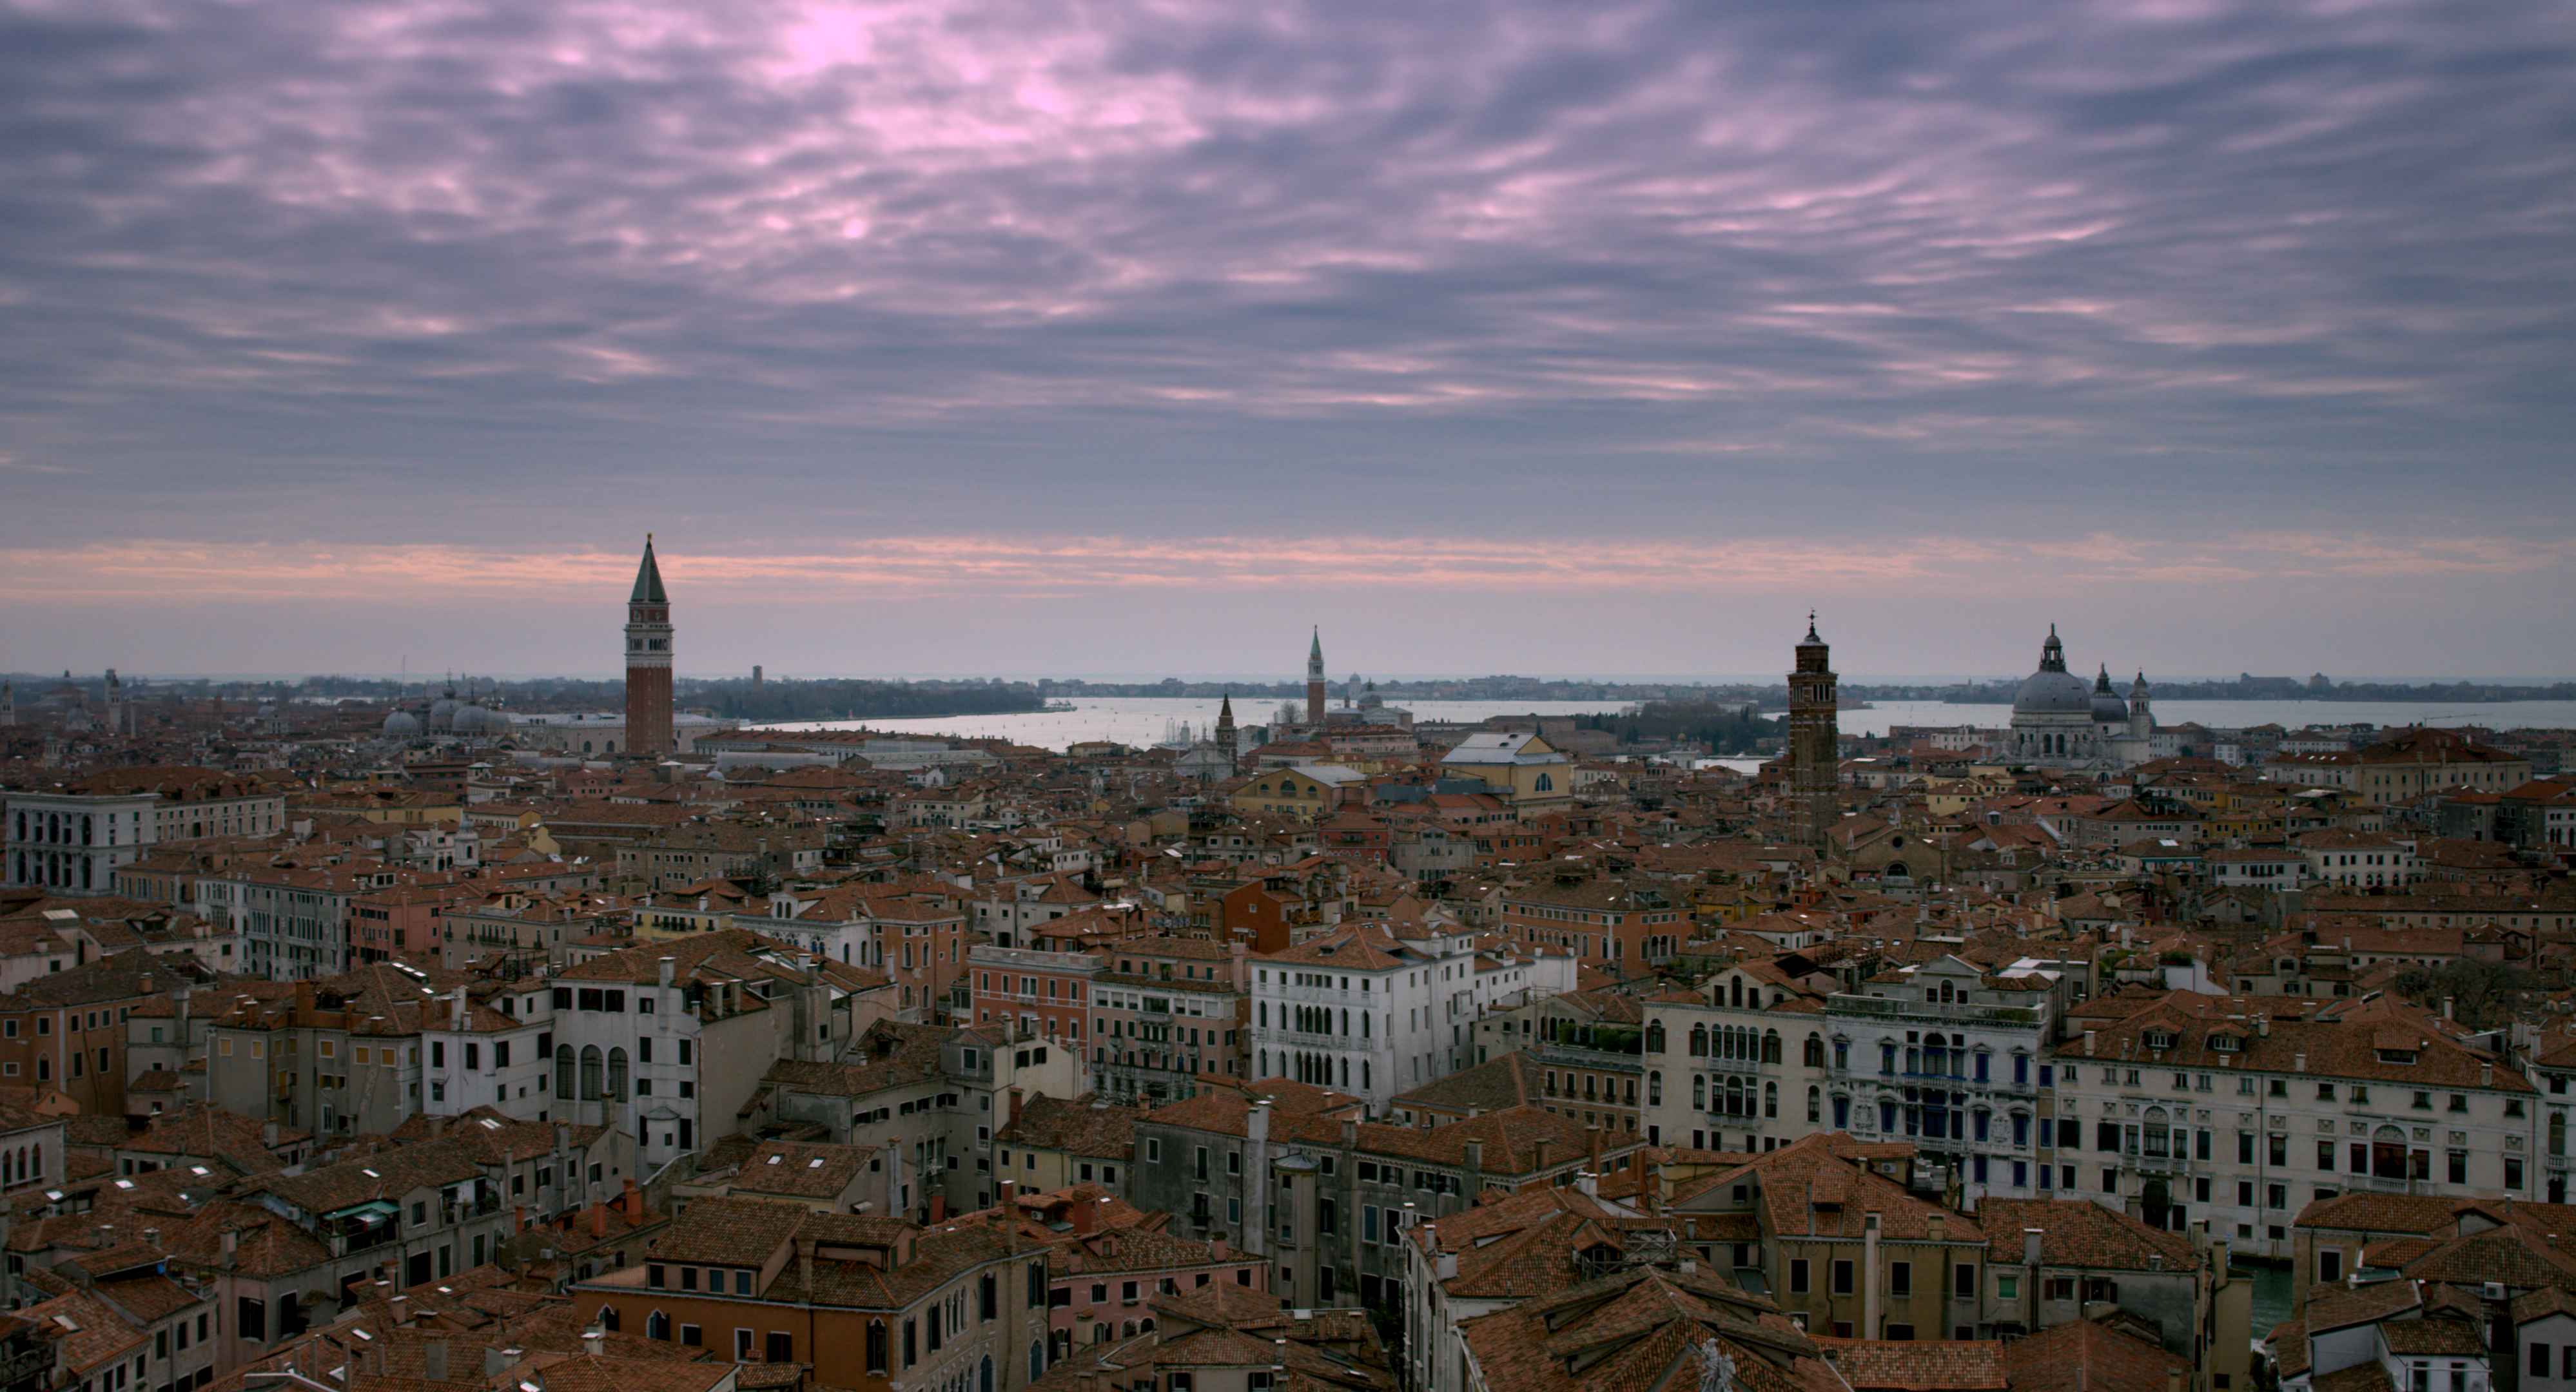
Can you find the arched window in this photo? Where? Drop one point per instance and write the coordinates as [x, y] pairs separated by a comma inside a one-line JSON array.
[[657, 1326], [1770, 1046], [1815, 1105], [1815, 1054], [608, 1318], [1654, 1036], [1699, 1041], [1546, 784], [2157, 1132], [1770, 1100], [590, 1073], [1699, 1094], [1654, 1089], [617, 1075], [984, 1375], [2388, 1152]]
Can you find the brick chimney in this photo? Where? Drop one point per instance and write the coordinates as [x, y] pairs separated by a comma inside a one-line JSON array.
[[805, 1265], [1013, 1116], [634, 1202]]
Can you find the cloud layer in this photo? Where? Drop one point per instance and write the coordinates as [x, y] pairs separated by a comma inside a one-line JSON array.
[[1684, 296]]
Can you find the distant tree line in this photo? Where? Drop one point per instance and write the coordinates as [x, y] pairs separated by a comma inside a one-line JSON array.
[[1724, 729], [857, 700]]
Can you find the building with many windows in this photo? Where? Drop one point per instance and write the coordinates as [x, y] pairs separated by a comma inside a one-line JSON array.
[[70, 839], [1737, 1062], [1375, 1013], [1950, 1057], [2243, 1111]]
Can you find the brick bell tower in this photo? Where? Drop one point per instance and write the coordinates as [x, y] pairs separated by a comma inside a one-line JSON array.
[[648, 661], [1315, 681], [1815, 740]]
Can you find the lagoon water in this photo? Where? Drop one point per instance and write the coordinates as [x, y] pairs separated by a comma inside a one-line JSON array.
[[1143, 720]]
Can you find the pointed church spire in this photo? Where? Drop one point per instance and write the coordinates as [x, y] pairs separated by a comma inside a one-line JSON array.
[[648, 579]]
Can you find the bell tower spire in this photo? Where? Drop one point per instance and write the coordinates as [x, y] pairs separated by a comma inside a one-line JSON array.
[[648, 660], [1315, 680], [1815, 741]]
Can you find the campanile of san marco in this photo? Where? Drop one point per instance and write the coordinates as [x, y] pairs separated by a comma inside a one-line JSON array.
[[648, 661]]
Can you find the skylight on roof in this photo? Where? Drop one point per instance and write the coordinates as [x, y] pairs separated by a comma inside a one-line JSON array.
[[490, 1125], [369, 1173], [814, 1164]]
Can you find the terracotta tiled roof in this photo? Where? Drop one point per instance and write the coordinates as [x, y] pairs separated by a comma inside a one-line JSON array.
[[1907, 1365], [1640, 1328], [1082, 1126], [2081, 1233], [2084, 1355]]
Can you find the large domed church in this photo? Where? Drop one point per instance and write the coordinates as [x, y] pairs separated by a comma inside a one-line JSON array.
[[2059, 721]]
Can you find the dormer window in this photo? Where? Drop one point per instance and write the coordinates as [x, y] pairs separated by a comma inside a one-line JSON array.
[[2160, 1039], [2225, 1043], [2406, 1056]]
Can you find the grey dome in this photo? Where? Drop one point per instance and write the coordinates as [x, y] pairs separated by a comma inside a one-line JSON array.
[[442, 713], [2053, 693], [2052, 690], [472, 720], [401, 724], [2107, 705]]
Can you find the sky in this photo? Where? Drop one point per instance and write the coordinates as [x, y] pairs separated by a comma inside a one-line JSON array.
[[1053, 336]]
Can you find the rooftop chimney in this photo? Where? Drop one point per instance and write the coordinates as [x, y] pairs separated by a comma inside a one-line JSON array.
[[2030, 1246]]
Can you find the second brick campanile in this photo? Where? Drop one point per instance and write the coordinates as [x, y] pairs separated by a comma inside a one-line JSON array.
[[1815, 740], [648, 661]]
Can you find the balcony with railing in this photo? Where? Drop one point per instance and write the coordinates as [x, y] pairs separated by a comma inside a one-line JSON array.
[[1949, 1012]]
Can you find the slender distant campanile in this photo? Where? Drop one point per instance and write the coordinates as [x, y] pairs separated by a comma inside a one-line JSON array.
[[1315, 681], [1228, 742], [648, 661], [1815, 749]]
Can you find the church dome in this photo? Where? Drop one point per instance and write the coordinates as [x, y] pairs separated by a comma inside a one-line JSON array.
[[2107, 705], [2052, 690], [401, 724], [442, 713], [471, 720]]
